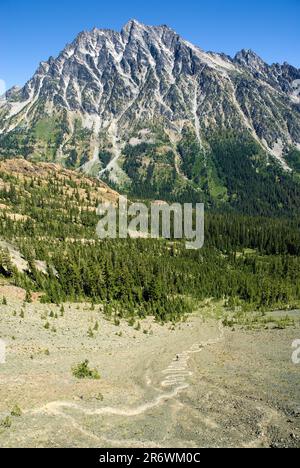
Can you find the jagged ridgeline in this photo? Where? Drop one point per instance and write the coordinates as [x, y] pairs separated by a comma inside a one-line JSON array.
[[158, 117]]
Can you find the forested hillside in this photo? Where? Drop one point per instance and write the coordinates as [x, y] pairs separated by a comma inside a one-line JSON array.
[[251, 262], [230, 172]]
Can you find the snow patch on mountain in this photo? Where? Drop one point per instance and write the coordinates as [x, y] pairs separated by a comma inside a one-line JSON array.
[[114, 82]]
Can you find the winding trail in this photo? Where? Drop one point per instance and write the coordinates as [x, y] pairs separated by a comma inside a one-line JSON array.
[[174, 376]]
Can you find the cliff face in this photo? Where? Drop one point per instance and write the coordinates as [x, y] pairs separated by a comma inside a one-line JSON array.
[[147, 92]]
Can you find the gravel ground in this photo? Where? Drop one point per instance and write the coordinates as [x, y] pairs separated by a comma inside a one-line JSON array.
[[197, 385]]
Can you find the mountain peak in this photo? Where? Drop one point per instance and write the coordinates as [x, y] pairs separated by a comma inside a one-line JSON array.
[[116, 83], [247, 53], [249, 58], [133, 23]]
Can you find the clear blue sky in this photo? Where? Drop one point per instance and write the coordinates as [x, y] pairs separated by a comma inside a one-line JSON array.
[[31, 31]]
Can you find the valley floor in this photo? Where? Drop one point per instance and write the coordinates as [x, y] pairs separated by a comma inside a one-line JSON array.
[[199, 384]]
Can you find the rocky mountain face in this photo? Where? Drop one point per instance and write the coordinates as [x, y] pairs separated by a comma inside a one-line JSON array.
[[156, 115]]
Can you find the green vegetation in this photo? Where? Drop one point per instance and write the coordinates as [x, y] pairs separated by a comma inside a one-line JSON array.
[[90, 333], [254, 187], [6, 422], [250, 260], [257, 320], [16, 411], [82, 371], [151, 170], [45, 129], [192, 156], [28, 297], [45, 137], [293, 159], [105, 157], [226, 171]]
